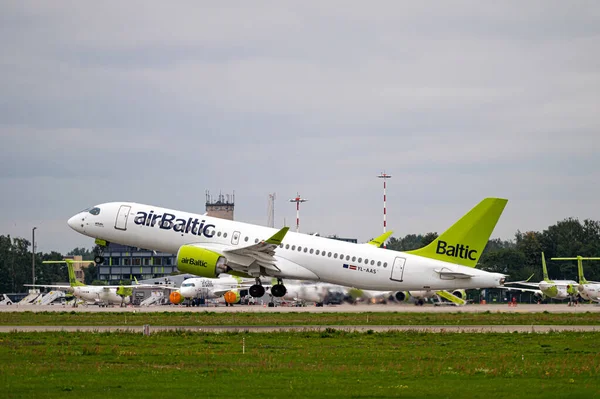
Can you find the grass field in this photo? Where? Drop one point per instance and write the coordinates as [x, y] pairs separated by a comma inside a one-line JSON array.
[[74, 318], [331, 363]]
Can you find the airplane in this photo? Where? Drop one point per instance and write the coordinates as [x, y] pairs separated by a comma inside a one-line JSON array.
[[195, 288], [588, 290], [555, 289], [208, 246], [456, 297], [103, 295]]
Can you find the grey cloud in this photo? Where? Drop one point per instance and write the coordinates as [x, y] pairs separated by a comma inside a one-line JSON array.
[[157, 102]]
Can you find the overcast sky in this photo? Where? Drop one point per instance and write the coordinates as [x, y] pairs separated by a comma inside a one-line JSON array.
[[156, 102]]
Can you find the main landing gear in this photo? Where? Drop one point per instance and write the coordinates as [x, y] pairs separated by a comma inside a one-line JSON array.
[[257, 290], [278, 290]]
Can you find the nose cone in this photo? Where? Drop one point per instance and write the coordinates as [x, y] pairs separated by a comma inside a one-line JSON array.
[[75, 222]]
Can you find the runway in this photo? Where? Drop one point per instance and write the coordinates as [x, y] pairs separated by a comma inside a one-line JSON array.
[[524, 308], [355, 328]]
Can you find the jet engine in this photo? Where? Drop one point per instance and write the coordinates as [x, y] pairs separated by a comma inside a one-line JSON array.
[[200, 262], [462, 294], [176, 298], [232, 297], [401, 296]]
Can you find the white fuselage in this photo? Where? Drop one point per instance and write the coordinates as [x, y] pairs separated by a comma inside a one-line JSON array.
[[199, 287], [99, 294], [300, 256], [590, 292], [557, 289], [307, 292]]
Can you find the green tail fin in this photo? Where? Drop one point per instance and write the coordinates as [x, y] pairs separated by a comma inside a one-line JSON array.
[[464, 242], [545, 270], [582, 279], [72, 279]]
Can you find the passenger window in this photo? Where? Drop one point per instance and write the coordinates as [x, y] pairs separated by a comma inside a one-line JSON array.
[[224, 235], [366, 261], [353, 258], [305, 249], [359, 260], [287, 246], [379, 264], [318, 252], [372, 262], [246, 239], [347, 257], [299, 248], [311, 251], [384, 264], [256, 240], [335, 255], [329, 254], [293, 247]]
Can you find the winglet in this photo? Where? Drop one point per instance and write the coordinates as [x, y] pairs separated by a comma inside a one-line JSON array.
[[529, 278], [378, 241], [277, 237], [464, 242]]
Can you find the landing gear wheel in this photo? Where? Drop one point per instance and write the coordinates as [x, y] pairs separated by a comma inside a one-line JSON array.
[[278, 290], [256, 291], [99, 259]]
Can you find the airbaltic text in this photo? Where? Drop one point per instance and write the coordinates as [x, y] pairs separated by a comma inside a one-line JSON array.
[[455, 251], [168, 221]]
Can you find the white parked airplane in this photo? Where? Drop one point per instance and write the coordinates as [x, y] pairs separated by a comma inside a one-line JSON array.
[[102, 295], [589, 290], [208, 246], [456, 297], [209, 288], [555, 289]]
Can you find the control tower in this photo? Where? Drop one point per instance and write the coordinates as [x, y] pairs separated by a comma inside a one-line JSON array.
[[221, 207]]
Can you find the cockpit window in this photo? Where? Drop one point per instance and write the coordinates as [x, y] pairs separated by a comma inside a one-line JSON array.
[[188, 285], [94, 211]]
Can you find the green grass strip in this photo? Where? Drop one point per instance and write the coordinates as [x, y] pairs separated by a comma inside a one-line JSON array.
[[330, 363]]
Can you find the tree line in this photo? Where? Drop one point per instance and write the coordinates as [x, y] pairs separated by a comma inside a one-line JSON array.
[[519, 257]]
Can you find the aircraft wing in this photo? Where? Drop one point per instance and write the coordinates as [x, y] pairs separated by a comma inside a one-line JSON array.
[[521, 289], [525, 283], [263, 252], [452, 298], [47, 286]]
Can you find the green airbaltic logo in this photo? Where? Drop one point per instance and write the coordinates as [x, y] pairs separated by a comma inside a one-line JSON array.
[[194, 262], [455, 251]]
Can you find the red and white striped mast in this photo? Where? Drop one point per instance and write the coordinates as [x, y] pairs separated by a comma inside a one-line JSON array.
[[298, 200], [384, 176]]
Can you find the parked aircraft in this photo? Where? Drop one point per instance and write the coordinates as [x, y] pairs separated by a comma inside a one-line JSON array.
[[589, 290], [555, 289], [197, 288], [102, 295], [208, 246]]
